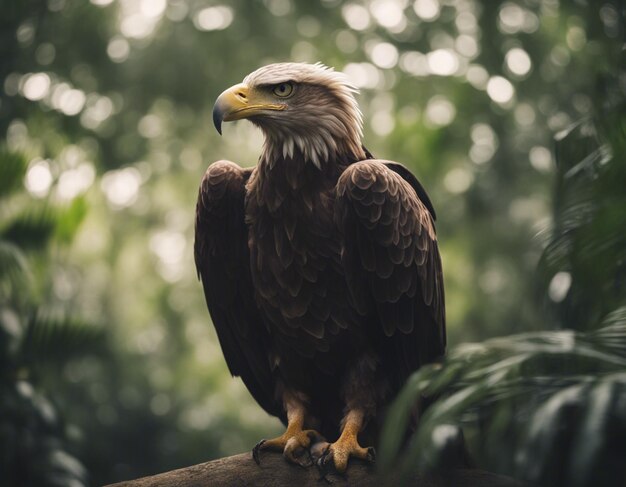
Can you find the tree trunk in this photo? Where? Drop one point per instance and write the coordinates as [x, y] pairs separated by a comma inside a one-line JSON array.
[[274, 471]]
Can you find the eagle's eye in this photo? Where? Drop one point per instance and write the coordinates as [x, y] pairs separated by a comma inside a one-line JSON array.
[[283, 90]]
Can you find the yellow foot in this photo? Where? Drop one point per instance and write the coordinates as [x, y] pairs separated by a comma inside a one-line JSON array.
[[337, 454], [295, 446]]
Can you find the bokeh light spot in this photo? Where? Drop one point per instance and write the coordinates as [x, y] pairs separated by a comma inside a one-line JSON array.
[[388, 13], [484, 143], [541, 159], [384, 55], [427, 10], [137, 26], [383, 123], [477, 76], [458, 180], [38, 178], [72, 101], [346, 41], [440, 111], [118, 49], [45, 54], [169, 246], [363, 75], [524, 114], [443, 62], [513, 18], [35, 86], [279, 8], [214, 18], [75, 181], [518, 61], [576, 38], [467, 46], [121, 187], [356, 16], [559, 286], [153, 8], [308, 26], [500, 90], [414, 63], [150, 126]]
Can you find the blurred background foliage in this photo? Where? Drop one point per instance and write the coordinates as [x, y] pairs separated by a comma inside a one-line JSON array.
[[109, 366]]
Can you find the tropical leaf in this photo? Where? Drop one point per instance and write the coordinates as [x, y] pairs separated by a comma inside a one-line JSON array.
[[70, 219], [50, 338], [588, 240], [33, 229], [39, 224], [560, 371], [581, 429], [12, 171], [32, 427], [13, 265]]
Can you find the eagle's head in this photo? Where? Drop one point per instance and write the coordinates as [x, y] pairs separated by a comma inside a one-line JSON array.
[[304, 110]]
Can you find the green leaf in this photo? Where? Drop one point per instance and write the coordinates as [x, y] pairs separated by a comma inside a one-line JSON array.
[[544, 378], [70, 219], [33, 229], [13, 264], [57, 338], [12, 171], [591, 459], [397, 420], [550, 435]]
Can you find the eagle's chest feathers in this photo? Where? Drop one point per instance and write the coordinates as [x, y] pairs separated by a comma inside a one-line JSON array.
[[295, 248]]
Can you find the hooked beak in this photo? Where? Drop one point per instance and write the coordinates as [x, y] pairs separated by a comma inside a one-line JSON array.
[[239, 102]]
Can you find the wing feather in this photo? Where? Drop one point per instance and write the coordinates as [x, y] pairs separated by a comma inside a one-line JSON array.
[[223, 264], [392, 262]]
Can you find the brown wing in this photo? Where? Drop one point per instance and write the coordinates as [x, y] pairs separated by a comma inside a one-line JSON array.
[[392, 264], [223, 264]]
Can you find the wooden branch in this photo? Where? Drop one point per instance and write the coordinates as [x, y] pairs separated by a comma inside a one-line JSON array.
[[274, 471]]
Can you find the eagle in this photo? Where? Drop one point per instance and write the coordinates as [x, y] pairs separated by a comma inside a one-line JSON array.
[[320, 265]]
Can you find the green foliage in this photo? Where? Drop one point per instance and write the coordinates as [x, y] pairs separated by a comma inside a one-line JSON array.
[[31, 341], [38, 455], [548, 407], [13, 171], [32, 229], [49, 340], [13, 266], [589, 242], [528, 401], [36, 225]]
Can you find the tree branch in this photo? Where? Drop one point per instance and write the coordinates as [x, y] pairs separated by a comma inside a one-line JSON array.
[[274, 471]]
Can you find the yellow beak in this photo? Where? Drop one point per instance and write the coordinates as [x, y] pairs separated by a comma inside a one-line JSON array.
[[239, 102]]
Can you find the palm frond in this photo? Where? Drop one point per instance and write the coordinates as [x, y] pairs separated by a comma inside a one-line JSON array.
[[12, 171], [53, 338], [588, 239], [14, 267], [37, 225], [538, 374], [33, 229]]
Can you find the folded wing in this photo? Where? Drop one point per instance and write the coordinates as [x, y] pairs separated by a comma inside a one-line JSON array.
[[392, 263], [223, 264]]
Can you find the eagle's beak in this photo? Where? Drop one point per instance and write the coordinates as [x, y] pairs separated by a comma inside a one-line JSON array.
[[239, 102]]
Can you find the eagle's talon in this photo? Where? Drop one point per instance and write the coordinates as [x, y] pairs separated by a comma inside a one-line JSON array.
[[336, 456], [318, 450], [324, 466], [293, 444], [371, 455], [297, 454], [255, 451]]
